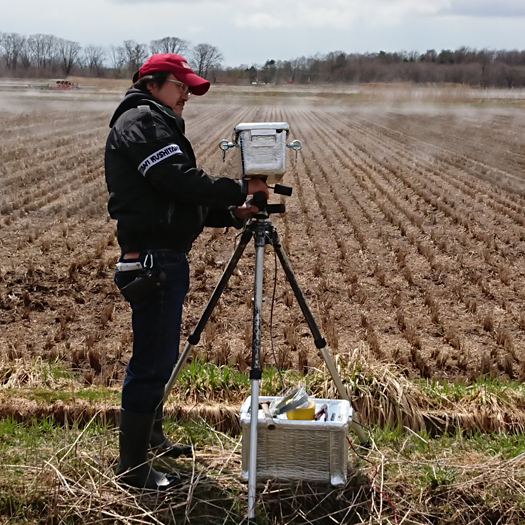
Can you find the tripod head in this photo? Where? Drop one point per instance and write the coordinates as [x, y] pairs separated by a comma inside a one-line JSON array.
[[265, 209]]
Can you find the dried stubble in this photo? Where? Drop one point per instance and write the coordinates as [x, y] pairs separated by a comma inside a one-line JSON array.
[[413, 216]]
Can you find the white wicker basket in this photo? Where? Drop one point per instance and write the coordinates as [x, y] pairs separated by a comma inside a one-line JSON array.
[[315, 451]]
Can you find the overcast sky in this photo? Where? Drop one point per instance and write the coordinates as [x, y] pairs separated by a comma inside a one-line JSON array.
[[253, 31]]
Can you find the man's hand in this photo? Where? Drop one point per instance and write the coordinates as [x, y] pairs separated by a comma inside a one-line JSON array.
[[255, 185], [245, 211]]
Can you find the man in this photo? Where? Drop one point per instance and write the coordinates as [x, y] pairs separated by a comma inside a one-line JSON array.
[[162, 202]]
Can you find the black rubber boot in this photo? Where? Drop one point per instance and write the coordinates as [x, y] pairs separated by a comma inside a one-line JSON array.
[[160, 444], [134, 468]]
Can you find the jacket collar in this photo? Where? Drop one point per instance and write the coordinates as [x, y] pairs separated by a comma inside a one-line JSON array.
[[135, 97]]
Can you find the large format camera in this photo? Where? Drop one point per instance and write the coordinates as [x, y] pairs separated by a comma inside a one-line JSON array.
[[261, 149]]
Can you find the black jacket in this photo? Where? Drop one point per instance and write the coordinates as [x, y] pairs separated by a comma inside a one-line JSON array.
[[161, 200]]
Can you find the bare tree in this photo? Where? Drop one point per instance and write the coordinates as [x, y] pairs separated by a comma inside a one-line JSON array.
[[486, 58], [135, 54], [25, 55], [93, 58], [10, 48], [68, 52], [42, 49], [511, 75], [206, 57], [117, 56], [169, 44]]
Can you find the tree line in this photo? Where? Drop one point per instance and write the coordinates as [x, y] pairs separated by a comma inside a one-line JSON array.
[[480, 68], [47, 55], [44, 55]]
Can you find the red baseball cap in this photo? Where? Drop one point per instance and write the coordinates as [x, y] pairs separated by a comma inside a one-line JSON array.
[[178, 66]]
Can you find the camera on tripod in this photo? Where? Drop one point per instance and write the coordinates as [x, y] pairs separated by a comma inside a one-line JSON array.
[[261, 148]]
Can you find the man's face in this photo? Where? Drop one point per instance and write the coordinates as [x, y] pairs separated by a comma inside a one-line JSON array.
[[173, 93]]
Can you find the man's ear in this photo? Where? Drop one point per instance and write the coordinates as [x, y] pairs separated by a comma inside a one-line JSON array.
[[152, 87]]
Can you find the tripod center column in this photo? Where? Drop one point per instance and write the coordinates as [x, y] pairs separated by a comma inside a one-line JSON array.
[[260, 241], [256, 372]]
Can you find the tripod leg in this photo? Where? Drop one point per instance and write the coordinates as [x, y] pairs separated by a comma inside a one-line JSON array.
[[320, 342], [195, 336], [255, 372]]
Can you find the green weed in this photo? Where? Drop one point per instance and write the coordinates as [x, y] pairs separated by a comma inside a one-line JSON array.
[[498, 444], [444, 393], [203, 380], [438, 475]]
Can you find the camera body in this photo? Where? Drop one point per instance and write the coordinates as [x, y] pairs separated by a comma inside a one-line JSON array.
[[261, 149]]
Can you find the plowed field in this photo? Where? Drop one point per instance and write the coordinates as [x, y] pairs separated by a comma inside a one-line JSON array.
[[406, 230]]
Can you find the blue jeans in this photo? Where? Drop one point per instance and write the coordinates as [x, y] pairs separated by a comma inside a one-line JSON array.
[[156, 322]]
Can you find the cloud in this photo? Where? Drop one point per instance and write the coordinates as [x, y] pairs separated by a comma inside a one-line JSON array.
[[335, 14], [339, 14], [181, 2], [258, 20], [289, 11], [485, 8]]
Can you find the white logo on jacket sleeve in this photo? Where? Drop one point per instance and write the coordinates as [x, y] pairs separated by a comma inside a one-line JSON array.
[[166, 151]]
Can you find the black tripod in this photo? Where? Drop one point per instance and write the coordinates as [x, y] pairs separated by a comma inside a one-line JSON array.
[[263, 232]]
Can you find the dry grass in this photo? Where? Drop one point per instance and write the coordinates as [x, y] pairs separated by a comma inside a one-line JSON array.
[[464, 489], [418, 479], [381, 395], [410, 480]]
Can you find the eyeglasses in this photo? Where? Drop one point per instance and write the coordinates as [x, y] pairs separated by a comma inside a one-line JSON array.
[[183, 87]]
